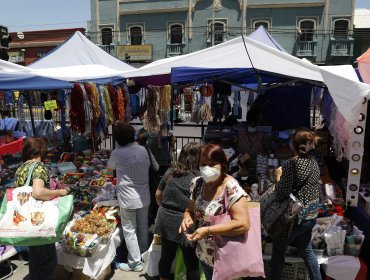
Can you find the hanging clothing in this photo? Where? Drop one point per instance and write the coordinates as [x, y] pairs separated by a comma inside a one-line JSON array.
[[77, 111]]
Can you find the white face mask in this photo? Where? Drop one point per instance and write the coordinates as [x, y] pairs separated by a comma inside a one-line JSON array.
[[252, 129], [209, 173]]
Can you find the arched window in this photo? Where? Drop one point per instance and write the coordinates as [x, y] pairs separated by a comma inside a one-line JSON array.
[[136, 35], [264, 23], [340, 28], [107, 36], [176, 33], [218, 32], [307, 29]]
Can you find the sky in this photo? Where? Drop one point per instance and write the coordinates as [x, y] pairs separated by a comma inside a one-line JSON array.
[[29, 15]]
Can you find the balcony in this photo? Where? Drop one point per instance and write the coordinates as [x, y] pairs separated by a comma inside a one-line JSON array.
[[175, 49], [341, 47], [306, 48], [109, 49]]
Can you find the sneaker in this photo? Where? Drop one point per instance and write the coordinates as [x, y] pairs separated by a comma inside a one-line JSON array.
[[126, 267]]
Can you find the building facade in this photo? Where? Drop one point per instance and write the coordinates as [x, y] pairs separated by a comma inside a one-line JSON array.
[[28, 46], [147, 30], [361, 32]]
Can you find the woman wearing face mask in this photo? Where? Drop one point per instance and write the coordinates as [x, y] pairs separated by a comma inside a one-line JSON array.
[[207, 198]]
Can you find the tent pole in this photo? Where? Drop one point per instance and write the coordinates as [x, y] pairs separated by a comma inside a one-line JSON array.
[[171, 102], [31, 113]]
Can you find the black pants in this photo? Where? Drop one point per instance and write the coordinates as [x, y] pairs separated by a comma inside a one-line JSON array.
[[42, 261], [168, 254]]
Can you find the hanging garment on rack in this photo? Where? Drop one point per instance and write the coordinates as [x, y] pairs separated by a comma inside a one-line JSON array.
[[77, 111], [88, 111], [94, 120], [100, 125], [237, 109], [95, 100], [119, 105], [151, 118], [109, 118], [127, 104]]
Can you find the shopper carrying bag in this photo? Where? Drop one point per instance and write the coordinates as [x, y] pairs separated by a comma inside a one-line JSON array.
[[207, 199], [31, 208], [300, 176], [25, 221], [230, 261], [279, 216]]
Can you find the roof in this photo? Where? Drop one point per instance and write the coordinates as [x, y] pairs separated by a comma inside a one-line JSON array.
[[76, 51], [362, 18]]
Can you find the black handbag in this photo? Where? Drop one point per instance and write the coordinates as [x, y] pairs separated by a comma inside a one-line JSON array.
[[154, 177], [154, 180], [278, 217]]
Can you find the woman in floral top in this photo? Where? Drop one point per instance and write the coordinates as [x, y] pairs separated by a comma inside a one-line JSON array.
[[42, 258], [207, 198]]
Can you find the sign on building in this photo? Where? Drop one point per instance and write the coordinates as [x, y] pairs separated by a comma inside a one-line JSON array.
[[135, 52]]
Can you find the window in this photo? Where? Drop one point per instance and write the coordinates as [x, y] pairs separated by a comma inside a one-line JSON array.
[[218, 32], [306, 30], [176, 33], [136, 35], [340, 29], [265, 24], [107, 36]]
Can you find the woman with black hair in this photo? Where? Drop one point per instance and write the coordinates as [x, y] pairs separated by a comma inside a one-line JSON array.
[[131, 163], [173, 196], [42, 258]]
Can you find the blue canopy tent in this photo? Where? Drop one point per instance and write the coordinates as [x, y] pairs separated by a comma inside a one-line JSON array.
[[27, 81]]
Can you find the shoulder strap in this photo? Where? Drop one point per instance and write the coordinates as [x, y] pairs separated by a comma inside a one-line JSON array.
[[197, 188], [30, 171], [150, 158]]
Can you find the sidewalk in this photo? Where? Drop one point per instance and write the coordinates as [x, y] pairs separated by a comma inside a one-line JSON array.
[[21, 273]]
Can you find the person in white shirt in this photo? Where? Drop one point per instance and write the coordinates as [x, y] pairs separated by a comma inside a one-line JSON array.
[[131, 163]]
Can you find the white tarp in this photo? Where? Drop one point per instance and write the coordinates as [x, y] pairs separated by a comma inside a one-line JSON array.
[[79, 72], [346, 90], [78, 50], [236, 53]]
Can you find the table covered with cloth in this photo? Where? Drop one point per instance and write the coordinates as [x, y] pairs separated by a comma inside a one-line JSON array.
[[92, 266]]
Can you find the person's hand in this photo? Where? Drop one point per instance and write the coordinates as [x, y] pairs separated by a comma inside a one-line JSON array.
[[186, 223], [278, 173], [199, 234], [245, 158], [62, 192]]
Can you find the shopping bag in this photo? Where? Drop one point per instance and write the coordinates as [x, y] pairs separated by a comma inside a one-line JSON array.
[[279, 216], [241, 255], [25, 221], [180, 268]]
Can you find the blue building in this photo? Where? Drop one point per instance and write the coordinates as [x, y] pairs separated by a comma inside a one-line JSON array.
[[146, 30]]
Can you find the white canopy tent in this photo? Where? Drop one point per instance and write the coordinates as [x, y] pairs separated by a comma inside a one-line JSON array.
[[78, 50], [239, 53], [79, 59]]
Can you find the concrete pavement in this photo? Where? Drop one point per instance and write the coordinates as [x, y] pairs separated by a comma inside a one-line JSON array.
[[21, 273]]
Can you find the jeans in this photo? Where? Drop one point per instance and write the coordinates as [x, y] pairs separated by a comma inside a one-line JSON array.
[[301, 234], [168, 254], [135, 231], [42, 261], [207, 270]]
